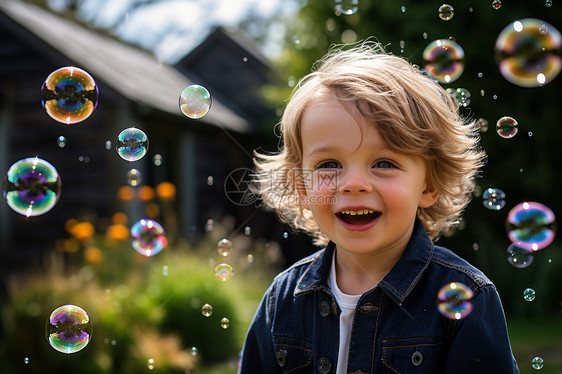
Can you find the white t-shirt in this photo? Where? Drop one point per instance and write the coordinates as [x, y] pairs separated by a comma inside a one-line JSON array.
[[347, 304]]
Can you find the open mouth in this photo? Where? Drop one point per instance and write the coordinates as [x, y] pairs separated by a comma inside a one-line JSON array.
[[358, 217]]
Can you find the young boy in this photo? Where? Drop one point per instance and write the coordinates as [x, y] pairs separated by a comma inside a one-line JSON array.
[[375, 163]]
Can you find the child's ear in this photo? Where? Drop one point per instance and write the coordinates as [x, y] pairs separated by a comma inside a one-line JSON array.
[[300, 188], [429, 196]]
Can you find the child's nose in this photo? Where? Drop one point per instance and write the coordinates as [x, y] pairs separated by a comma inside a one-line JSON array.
[[354, 182]]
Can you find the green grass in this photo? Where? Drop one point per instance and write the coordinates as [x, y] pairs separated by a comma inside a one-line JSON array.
[[537, 337]]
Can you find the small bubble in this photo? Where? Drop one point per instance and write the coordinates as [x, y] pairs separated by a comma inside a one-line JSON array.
[[165, 270], [496, 4], [210, 180], [207, 310], [529, 294], [285, 235], [250, 258], [134, 177], [494, 198], [518, 256], [482, 124], [150, 364], [548, 3], [495, 97], [131, 144], [194, 351], [61, 141], [537, 363], [480, 75], [247, 231], [26, 360], [225, 323], [108, 145], [195, 101], [224, 246], [149, 237], [446, 12], [403, 8], [223, 272], [209, 225], [424, 35], [245, 59], [507, 127], [530, 134], [444, 60], [454, 300], [475, 247], [157, 160]]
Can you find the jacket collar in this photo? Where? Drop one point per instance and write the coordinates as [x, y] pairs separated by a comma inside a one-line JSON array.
[[398, 283]]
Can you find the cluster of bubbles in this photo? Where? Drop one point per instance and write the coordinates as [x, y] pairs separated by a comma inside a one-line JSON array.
[[149, 237], [528, 54], [444, 60], [68, 329], [454, 300]]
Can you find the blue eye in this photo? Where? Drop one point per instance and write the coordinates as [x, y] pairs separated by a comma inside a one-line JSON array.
[[328, 165], [384, 164]]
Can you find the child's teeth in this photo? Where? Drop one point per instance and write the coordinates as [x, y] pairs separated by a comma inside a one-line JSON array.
[[357, 212]]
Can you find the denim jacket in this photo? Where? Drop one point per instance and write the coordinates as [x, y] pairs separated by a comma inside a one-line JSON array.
[[397, 327]]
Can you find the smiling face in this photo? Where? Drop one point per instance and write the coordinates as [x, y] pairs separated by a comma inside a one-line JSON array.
[[363, 196]]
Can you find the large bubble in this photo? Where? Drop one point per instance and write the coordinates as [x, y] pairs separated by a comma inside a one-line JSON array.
[[444, 60], [531, 225], [454, 300], [132, 144], [149, 237], [69, 95], [68, 329], [32, 186], [528, 52], [195, 101]]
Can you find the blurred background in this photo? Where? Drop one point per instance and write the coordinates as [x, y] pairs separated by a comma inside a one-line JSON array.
[[186, 308]]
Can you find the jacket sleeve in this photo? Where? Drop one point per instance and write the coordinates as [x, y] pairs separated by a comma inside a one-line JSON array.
[[258, 355], [480, 342]]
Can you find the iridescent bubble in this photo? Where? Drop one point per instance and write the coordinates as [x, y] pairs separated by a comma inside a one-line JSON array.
[[26, 360], [131, 144], [134, 177], [403, 8], [518, 256], [531, 225], [225, 323], [194, 351], [195, 101], [61, 141], [537, 363], [454, 300], [444, 60], [446, 12], [507, 127], [68, 329], [493, 198], [461, 96], [347, 7], [496, 4], [207, 310], [69, 95], [223, 272], [149, 237], [529, 294], [285, 235], [32, 186], [224, 246], [528, 52]]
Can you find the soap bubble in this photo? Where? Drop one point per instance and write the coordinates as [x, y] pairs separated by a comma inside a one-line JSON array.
[[61, 141], [532, 225], [518, 256], [134, 177], [68, 329], [507, 127], [194, 351], [225, 323], [195, 101], [224, 246], [69, 95], [529, 294], [132, 144], [537, 363], [528, 52], [149, 237], [494, 198], [496, 4], [482, 124], [444, 60], [461, 96], [347, 7], [150, 364], [446, 12], [207, 310], [26, 360], [32, 186], [453, 300], [223, 272]]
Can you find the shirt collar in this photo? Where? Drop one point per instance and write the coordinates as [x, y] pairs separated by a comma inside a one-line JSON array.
[[398, 283]]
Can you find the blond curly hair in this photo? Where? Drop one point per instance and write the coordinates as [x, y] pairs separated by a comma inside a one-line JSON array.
[[413, 114]]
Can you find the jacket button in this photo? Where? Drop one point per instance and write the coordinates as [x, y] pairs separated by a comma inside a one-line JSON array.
[[325, 308], [324, 365], [281, 357], [417, 358]]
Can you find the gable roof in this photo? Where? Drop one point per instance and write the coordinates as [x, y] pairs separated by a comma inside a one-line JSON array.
[[130, 71]]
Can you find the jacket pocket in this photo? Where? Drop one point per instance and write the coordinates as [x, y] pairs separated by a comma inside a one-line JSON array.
[[413, 355], [292, 355]]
